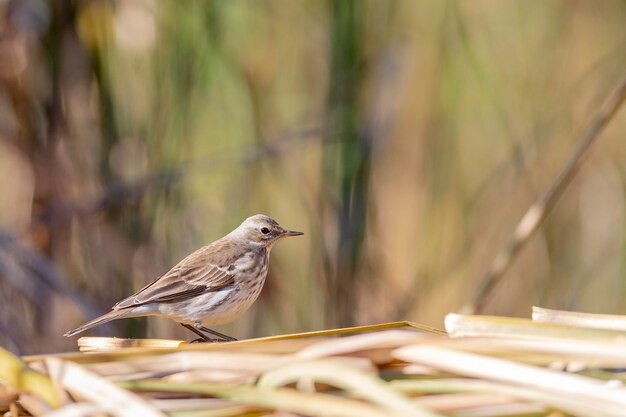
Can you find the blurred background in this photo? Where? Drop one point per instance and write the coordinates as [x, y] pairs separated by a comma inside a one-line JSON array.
[[405, 138]]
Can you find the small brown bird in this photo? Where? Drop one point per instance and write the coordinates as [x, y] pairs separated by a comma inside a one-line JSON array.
[[214, 285]]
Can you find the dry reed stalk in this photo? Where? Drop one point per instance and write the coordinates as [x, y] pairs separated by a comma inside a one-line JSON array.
[[577, 319], [537, 212], [490, 367]]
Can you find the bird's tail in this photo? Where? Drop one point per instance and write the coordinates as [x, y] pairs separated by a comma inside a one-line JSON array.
[[111, 315]]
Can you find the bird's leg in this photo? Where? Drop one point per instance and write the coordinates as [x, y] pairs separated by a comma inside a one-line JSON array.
[[203, 337], [223, 337]]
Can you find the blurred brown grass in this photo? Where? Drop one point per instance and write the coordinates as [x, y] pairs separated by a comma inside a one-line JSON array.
[[405, 138]]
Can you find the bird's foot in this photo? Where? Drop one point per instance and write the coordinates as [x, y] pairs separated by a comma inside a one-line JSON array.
[[202, 340], [202, 332], [221, 337]]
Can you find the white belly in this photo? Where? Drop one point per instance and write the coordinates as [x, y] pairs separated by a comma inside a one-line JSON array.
[[212, 308]]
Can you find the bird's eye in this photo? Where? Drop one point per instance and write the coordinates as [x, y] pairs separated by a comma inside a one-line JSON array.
[[265, 230]]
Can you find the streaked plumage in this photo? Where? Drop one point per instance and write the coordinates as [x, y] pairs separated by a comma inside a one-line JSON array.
[[213, 285]]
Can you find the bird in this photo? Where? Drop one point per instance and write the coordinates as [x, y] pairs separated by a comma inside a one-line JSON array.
[[214, 285]]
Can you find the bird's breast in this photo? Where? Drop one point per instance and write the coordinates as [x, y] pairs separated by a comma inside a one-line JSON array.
[[250, 269]]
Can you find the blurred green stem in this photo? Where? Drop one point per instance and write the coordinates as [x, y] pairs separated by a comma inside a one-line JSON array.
[[348, 168]]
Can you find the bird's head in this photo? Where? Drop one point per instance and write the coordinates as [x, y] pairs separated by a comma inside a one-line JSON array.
[[263, 230]]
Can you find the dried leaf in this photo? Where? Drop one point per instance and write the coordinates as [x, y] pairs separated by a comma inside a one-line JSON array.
[[15, 373], [357, 383], [576, 388], [86, 384]]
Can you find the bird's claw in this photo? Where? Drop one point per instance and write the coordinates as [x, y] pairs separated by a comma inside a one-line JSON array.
[[201, 340]]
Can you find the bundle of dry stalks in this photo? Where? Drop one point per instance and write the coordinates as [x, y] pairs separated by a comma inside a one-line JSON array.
[[557, 364]]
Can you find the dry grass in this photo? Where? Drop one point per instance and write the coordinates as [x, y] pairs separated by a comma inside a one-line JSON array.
[[568, 364]]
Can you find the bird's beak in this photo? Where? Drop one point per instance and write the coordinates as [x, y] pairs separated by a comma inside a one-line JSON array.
[[287, 233]]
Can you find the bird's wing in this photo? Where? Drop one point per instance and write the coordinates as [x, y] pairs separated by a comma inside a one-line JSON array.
[[187, 279]]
